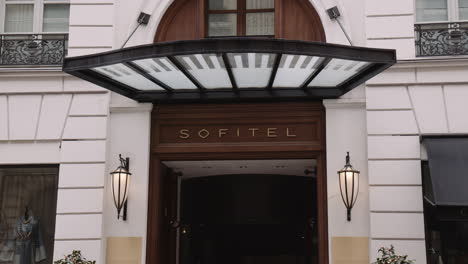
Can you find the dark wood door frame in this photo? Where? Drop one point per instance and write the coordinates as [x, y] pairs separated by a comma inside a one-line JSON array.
[[157, 243]]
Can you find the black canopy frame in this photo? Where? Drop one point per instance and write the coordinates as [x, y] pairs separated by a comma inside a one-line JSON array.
[[82, 67]]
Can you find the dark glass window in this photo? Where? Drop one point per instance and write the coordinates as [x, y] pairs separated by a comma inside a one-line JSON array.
[[446, 228], [241, 18], [28, 201]]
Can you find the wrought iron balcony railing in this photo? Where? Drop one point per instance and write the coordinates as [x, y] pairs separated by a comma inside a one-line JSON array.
[[34, 50], [441, 39]]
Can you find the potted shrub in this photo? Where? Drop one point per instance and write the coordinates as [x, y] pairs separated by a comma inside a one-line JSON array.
[[389, 257], [74, 258]]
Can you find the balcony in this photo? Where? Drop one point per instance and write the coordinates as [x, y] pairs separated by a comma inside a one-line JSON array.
[[441, 39], [33, 50]]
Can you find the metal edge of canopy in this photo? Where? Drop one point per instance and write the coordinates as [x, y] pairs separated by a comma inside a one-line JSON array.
[[380, 60]]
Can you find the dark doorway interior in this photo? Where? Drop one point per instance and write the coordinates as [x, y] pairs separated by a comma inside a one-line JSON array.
[[247, 219]]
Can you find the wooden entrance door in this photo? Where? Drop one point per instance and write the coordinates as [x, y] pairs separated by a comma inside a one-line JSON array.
[[230, 132]]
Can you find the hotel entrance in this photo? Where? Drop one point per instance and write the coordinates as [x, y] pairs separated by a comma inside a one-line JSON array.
[[245, 211], [238, 183]]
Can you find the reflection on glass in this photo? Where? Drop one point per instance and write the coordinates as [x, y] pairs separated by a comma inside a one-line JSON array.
[[252, 70], [19, 18], [260, 4], [431, 10], [337, 71], [260, 24], [294, 70], [463, 7], [163, 70], [56, 18], [28, 199], [223, 4], [222, 25], [208, 69], [125, 75]]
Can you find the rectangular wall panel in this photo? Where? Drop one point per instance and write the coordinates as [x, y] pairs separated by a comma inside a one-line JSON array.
[[90, 104], [390, 27], [3, 118], [391, 172], [456, 98], [23, 116], [429, 106], [405, 48], [36, 84], [385, 7], [27, 153], [396, 198], [397, 225], [91, 2], [91, 36], [90, 200], [83, 151], [86, 128], [94, 15], [82, 175], [53, 114], [73, 84], [442, 74], [390, 97], [394, 147], [78, 226], [391, 122], [394, 76], [347, 250]]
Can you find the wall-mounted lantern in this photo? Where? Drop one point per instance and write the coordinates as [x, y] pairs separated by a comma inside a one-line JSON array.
[[349, 186], [120, 184]]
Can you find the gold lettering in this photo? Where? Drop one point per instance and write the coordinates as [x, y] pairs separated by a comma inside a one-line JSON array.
[[184, 134], [253, 131], [222, 132], [288, 134], [238, 132], [203, 133], [271, 132]]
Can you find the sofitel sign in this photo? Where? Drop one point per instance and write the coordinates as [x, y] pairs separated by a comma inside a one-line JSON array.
[[237, 133], [269, 132]]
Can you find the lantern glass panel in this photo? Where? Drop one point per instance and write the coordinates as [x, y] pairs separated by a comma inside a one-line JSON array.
[[349, 183], [120, 179]]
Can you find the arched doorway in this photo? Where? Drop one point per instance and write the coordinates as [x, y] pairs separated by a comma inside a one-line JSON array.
[[196, 19]]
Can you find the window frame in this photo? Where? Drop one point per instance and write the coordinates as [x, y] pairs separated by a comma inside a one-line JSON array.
[[241, 11], [38, 15], [453, 14]]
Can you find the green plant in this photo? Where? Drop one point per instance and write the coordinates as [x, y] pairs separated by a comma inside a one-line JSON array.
[[389, 257], [74, 258]]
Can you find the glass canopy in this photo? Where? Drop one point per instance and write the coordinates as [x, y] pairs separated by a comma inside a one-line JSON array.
[[232, 69]]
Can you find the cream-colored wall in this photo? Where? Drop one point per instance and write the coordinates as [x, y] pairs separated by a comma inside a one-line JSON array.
[[390, 24], [411, 99], [129, 135], [346, 131], [52, 118]]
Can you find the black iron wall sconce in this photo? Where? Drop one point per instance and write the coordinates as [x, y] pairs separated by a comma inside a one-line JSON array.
[[349, 185], [120, 184]]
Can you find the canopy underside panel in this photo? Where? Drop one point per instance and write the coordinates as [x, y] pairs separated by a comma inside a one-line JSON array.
[[231, 69]]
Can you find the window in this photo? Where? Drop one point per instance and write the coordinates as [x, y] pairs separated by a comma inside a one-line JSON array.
[[441, 10], [34, 16], [28, 202], [241, 18]]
